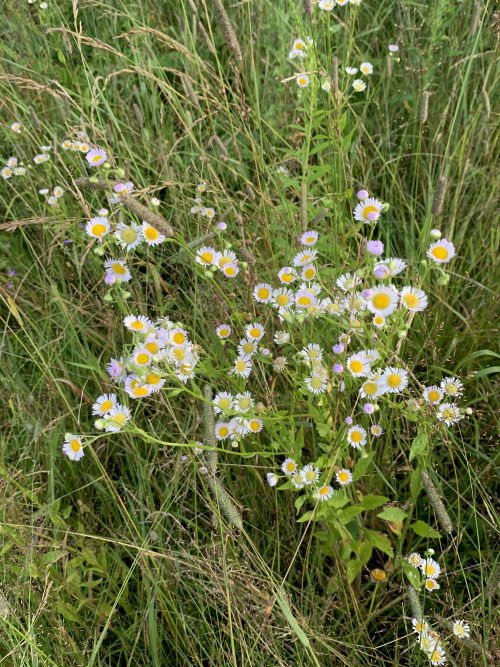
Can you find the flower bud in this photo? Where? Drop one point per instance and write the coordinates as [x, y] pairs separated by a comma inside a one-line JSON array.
[[106, 165], [107, 297], [125, 295], [100, 424], [300, 319], [99, 250], [120, 173], [435, 234], [401, 333]]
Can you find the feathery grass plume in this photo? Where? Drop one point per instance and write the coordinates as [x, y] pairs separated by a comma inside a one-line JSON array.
[[194, 9], [308, 7], [486, 147], [210, 440], [303, 207], [67, 43], [34, 119], [225, 502], [424, 106], [494, 581], [67, 109], [142, 212], [436, 502], [448, 625], [475, 18], [189, 90], [206, 37], [415, 606], [486, 104], [439, 195], [319, 217], [227, 29], [138, 115], [221, 146], [334, 76], [388, 66], [247, 255], [250, 193]]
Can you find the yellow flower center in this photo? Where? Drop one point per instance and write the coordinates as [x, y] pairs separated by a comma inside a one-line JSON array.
[[430, 569], [394, 380], [448, 413], [263, 293], [106, 405], [440, 252], [379, 575], [96, 158], [381, 301], [411, 301], [299, 46], [225, 403], [310, 475], [207, 257], [223, 333], [140, 391], [230, 271], [434, 396], [224, 260], [152, 378], [287, 277], [309, 273], [137, 325], [282, 300], [370, 388], [436, 656], [356, 436], [244, 403], [240, 366], [312, 354], [304, 301], [151, 233], [248, 348], [302, 81], [254, 425], [119, 419], [179, 353], [290, 466], [254, 333], [223, 431], [451, 388], [379, 320], [369, 209], [459, 630], [119, 269], [142, 359], [179, 338], [75, 445], [98, 229], [356, 366], [323, 491], [316, 382], [343, 477], [152, 347]]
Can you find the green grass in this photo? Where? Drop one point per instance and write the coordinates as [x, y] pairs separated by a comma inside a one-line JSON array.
[[125, 558]]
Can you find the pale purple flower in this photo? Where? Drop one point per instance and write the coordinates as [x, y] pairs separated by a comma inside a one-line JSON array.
[[12, 272], [394, 48], [155, 201], [366, 293], [265, 351], [342, 386], [338, 368], [381, 271], [338, 349], [362, 194], [68, 241], [368, 408], [222, 225], [103, 211], [372, 215], [96, 156], [110, 279], [348, 420], [375, 247]]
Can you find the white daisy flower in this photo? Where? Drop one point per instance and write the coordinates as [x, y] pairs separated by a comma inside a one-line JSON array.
[[287, 275], [383, 301], [151, 235], [16, 127], [6, 173], [348, 282], [351, 70], [326, 5], [326, 86], [431, 585], [223, 430], [461, 629], [178, 336], [433, 394], [226, 257], [430, 568], [310, 474], [201, 187], [96, 156], [420, 627], [242, 366], [312, 353], [67, 144], [137, 323], [242, 402], [305, 257], [58, 191], [344, 477], [128, 237], [222, 402], [255, 425], [135, 388], [371, 388], [394, 380], [289, 467], [437, 656], [254, 331], [117, 268], [368, 210], [316, 384], [205, 255], [223, 330], [356, 436], [43, 157], [84, 148], [452, 386], [280, 364], [308, 272], [247, 347], [104, 404], [153, 380], [359, 85], [379, 321], [358, 365], [73, 447], [230, 270], [415, 559], [12, 162], [413, 299], [376, 430], [116, 369], [263, 292], [449, 413], [305, 298], [299, 45], [309, 238], [324, 492], [272, 480], [208, 212], [281, 337], [118, 416], [366, 68], [298, 481], [141, 357], [303, 80], [441, 251]]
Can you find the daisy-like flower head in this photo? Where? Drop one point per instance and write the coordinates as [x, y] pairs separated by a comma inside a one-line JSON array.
[[67, 144], [16, 127], [426, 643], [326, 86], [42, 157], [254, 331], [128, 237], [420, 627], [205, 255], [118, 416], [223, 258], [344, 477], [116, 369], [272, 480], [452, 386], [366, 68], [151, 235], [449, 413], [309, 238], [308, 272], [201, 187], [430, 568], [324, 492], [223, 430], [312, 353], [243, 402], [12, 162], [378, 576], [433, 395], [141, 357], [52, 200], [242, 366], [135, 388], [298, 480], [138, 323], [305, 298], [461, 629], [19, 171], [415, 559], [287, 275], [351, 70], [154, 343], [431, 584], [117, 268], [379, 321], [305, 257], [223, 330], [75, 146], [303, 80], [383, 301], [230, 270], [96, 156], [296, 54], [73, 447], [247, 347], [289, 466], [348, 282], [153, 380], [437, 656], [326, 5], [255, 425], [359, 85], [281, 169], [376, 430], [368, 210], [208, 212], [316, 384], [281, 337], [263, 292], [310, 474], [299, 45], [394, 380], [222, 401], [58, 191], [358, 365], [280, 364], [104, 404], [178, 337], [6, 172], [441, 251], [84, 148], [356, 436], [413, 299]]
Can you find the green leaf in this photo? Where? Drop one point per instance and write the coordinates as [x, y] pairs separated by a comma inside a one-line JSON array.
[[379, 541], [287, 612], [370, 502], [347, 515], [411, 573], [365, 552], [353, 567], [300, 501], [338, 499], [305, 517], [392, 514], [362, 466], [423, 529], [419, 446]]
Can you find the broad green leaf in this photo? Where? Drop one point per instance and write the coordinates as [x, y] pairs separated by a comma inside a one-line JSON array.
[[419, 446], [392, 514], [287, 612], [411, 573], [365, 552], [300, 501], [379, 541], [353, 567], [370, 502], [423, 529], [362, 466], [347, 515]]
